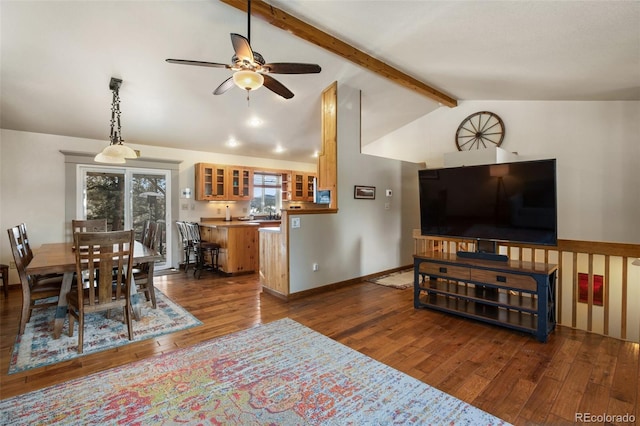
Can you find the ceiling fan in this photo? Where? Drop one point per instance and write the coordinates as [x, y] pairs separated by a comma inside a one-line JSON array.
[[250, 70]]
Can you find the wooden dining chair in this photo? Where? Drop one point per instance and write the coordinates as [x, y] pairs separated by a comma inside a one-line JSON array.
[[34, 288], [29, 251], [88, 225], [106, 263], [143, 275]]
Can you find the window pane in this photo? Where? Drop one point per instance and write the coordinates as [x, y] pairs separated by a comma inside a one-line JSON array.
[[105, 198], [266, 193], [148, 203]]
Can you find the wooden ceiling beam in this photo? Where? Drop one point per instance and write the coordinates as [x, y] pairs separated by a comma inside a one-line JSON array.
[[295, 26]]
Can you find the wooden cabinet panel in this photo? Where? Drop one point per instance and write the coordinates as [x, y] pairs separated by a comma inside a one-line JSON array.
[[238, 247], [274, 274], [286, 186], [240, 183], [445, 271], [503, 279], [210, 182], [302, 186], [328, 156]]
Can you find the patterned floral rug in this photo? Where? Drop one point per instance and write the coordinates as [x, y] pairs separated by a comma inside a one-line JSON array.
[[37, 348], [278, 373]]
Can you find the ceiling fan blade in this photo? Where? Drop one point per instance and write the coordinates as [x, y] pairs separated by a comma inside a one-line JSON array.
[[224, 86], [276, 87], [242, 47], [292, 68], [198, 63]]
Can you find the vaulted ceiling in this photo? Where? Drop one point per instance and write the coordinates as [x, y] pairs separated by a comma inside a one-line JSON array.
[[57, 58]]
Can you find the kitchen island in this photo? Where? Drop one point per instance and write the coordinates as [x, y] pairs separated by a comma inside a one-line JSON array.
[[238, 242]]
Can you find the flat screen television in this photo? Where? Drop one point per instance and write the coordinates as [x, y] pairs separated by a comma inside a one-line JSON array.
[[513, 202]]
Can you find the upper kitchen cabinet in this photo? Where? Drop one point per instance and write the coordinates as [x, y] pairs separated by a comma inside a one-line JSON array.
[[210, 182], [240, 183], [286, 185], [302, 186]]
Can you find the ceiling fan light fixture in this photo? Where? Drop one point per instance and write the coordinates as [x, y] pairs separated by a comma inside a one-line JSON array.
[[248, 80]]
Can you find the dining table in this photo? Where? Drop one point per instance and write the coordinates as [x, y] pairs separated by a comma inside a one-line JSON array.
[[60, 258]]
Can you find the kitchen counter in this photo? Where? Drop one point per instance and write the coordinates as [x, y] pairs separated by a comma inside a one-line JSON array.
[[228, 224]]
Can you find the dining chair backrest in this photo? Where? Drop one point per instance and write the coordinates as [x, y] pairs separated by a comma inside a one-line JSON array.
[[88, 225], [106, 259], [153, 236], [20, 254], [25, 240], [144, 236], [152, 241]]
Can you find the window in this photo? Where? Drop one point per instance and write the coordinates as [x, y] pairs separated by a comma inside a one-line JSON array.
[[267, 193]]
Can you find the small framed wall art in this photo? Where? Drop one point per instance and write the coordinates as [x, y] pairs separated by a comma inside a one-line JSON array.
[[364, 192]]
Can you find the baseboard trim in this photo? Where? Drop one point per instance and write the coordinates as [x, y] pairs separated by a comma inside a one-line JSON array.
[[337, 285]]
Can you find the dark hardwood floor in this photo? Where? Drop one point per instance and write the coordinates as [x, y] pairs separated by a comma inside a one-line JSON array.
[[506, 373]]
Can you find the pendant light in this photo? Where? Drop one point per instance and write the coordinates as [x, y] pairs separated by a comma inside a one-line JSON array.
[[116, 152]]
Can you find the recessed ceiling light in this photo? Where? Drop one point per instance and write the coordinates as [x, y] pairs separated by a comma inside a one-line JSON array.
[[255, 122], [279, 149], [315, 154], [232, 142]]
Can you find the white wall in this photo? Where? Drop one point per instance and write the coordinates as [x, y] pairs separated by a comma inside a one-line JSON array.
[[597, 145], [363, 237], [32, 183]]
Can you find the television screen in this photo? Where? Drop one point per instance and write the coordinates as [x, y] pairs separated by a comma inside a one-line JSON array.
[[498, 202]]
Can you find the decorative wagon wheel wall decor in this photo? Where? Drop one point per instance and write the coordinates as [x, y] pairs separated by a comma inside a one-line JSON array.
[[483, 129]]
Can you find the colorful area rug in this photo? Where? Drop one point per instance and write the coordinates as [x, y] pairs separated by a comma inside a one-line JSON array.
[[400, 279], [278, 373], [37, 348]]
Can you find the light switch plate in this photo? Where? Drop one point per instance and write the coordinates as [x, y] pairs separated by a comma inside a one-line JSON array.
[[389, 193]]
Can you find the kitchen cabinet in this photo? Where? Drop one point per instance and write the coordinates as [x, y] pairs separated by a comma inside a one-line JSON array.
[[210, 182], [240, 183], [286, 186], [302, 186]]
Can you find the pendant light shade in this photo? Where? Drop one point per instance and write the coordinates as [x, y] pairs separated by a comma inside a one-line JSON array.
[[248, 80], [103, 158], [119, 150], [116, 152]]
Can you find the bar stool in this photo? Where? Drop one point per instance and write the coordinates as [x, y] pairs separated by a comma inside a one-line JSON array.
[[213, 250], [202, 248], [187, 244], [4, 272]]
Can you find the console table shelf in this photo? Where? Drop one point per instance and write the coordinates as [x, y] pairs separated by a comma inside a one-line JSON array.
[[515, 294]]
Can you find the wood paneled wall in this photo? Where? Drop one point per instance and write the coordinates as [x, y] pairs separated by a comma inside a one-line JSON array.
[[618, 315]]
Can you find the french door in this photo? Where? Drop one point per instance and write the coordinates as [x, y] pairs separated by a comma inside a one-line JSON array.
[[127, 198]]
